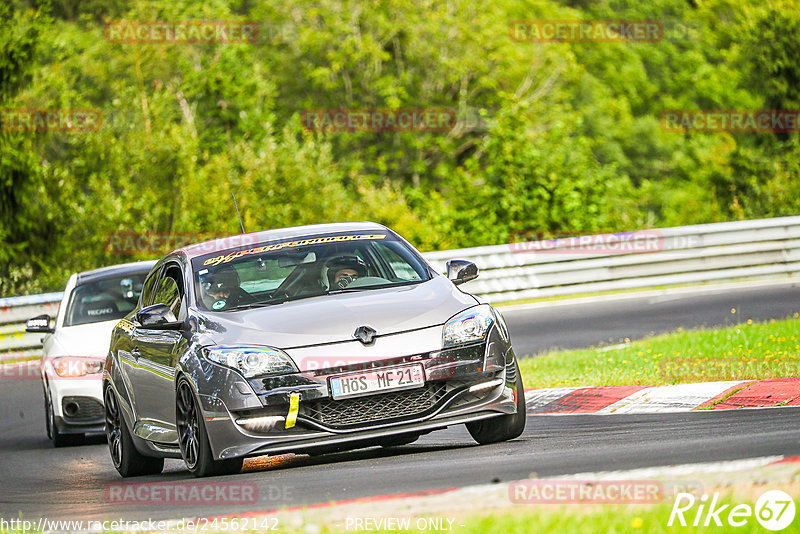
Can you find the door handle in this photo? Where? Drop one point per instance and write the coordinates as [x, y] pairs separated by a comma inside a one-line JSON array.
[[135, 352]]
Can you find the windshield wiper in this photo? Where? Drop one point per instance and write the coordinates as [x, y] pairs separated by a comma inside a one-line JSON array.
[[260, 304], [362, 288], [345, 290], [264, 303]]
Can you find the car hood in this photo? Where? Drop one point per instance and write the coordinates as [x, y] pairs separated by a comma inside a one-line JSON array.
[[334, 318], [83, 340]]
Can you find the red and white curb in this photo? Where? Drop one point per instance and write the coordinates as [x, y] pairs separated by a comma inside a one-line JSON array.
[[606, 400]]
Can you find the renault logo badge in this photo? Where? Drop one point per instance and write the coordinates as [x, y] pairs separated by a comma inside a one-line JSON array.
[[365, 334]]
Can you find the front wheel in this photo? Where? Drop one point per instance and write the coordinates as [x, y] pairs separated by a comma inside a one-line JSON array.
[[505, 427], [57, 438], [193, 438], [128, 461]]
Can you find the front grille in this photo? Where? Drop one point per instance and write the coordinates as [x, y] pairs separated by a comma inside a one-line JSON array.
[[372, 408], [82, 409]]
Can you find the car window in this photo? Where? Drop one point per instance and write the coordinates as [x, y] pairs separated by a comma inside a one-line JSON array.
[[149, 288], [104, 300], [170, 289], [400, 267]]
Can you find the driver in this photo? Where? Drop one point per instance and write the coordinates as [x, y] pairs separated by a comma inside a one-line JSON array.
[[225, 291], [343, 270]]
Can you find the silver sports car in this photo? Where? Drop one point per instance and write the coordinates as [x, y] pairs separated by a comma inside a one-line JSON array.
[[308, 340]]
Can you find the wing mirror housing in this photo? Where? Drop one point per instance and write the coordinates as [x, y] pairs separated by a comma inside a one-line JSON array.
[[460, 271], [158, 317], [39, 324]]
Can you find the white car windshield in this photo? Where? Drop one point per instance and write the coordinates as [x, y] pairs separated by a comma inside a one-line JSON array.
[[104, 300]]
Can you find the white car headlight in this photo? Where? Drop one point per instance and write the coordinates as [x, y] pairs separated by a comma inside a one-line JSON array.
[[253, 361], [468, 326], [73, 367]]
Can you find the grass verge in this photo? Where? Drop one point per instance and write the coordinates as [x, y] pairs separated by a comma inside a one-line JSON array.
[[613, 519], [748, 351]]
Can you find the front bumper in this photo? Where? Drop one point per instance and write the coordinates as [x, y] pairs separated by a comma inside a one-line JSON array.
[[465, 384], [77, 405]]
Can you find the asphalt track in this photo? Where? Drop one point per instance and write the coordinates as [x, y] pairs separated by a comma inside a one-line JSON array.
[[602, 321], [39, 481]]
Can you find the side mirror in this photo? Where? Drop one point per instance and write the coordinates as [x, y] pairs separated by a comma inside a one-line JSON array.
[[460, 271], [158, 317], [40, 324]]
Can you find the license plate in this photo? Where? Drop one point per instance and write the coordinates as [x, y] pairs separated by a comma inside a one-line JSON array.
[[377, 381]]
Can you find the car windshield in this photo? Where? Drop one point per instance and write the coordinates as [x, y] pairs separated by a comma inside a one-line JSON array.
[[104, 300], [276, 272]]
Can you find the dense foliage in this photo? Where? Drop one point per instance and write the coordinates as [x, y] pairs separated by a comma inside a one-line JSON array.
[[558, 137]]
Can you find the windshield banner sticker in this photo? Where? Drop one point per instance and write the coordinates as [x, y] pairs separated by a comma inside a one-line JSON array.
[[290, 244]]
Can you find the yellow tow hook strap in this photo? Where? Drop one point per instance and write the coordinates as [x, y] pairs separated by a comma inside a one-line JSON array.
[[294, 406]]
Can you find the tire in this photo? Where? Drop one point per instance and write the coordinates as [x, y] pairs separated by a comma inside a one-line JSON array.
[[193, 437], [128, 461], [505, 427], [57, 438]]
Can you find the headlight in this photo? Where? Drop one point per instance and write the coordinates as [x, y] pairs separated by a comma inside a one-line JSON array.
[[253, 361], [72, 367], [468, 326]]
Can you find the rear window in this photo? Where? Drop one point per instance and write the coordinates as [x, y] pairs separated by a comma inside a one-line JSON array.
[[104, 300]]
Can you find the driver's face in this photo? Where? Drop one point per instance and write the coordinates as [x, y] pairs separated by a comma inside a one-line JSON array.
[[341, 273]]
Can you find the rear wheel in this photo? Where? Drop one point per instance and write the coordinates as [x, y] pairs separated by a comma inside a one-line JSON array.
[[128, 461], [505, 427], [193, 438]]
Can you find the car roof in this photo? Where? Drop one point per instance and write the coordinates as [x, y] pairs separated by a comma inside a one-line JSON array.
[[139, 267], [253, 238]]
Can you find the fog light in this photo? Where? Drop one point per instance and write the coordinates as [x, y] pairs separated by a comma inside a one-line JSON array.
[[264, 423], [486, 385]]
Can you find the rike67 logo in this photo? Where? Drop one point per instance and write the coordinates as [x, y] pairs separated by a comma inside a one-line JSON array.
[[774, 510]]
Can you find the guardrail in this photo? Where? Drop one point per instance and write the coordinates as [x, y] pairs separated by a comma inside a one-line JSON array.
[[15, 343], [741, 250]]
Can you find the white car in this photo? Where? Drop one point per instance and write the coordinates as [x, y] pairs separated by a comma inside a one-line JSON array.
[[75, 348]]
